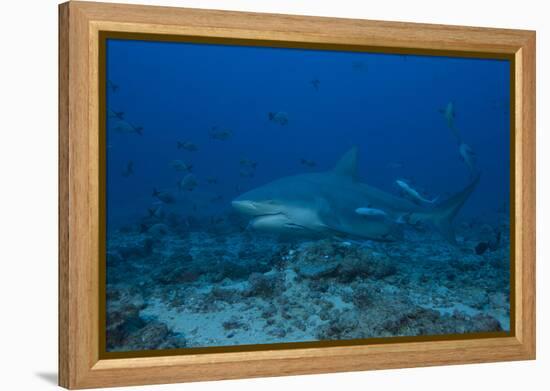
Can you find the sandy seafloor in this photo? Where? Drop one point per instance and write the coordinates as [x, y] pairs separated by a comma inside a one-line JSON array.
[[189, 284]]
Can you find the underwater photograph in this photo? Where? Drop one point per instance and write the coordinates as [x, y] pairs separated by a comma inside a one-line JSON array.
[[260, 195]]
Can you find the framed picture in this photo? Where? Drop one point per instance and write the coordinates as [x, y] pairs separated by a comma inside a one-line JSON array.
[[247, 195]]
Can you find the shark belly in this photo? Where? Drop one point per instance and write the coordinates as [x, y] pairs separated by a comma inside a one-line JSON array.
[[293, 221]]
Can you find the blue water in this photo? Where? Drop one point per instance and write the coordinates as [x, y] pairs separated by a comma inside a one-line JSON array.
[[387, 105]]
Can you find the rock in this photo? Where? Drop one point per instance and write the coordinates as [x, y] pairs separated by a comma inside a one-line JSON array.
[[416, 321], [321, 286], [269, 311], [316, 270], [342, 326], [226, 295], [476, 298], [353, 267], [149, 337], [121, 323], [278, 332], [363, 297], [483, 323], [241, 270], [234, 323], [140, 249], [467, 263], [177, 275], [265, 285], [384, 268]]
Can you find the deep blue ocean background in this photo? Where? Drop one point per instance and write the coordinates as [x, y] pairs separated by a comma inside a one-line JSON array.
[[385, 104], [185, 270]]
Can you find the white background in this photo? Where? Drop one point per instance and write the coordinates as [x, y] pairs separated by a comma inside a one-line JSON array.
[[28, 194]]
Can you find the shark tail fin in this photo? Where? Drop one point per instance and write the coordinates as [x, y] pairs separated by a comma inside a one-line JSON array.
[[441, 217]]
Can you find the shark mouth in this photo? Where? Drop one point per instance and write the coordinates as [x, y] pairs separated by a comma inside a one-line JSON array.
[[274, 221]]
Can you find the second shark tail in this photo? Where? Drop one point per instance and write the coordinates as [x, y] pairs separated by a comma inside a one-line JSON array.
[[441, 217]]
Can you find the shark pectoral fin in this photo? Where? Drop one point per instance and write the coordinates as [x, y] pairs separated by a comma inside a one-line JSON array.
[[296, 227], [369, 216]]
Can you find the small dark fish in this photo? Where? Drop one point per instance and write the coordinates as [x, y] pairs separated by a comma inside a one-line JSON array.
[[155, 212], [211, 180], [279, 117], [115, 114], [188, 183], [220, 134], [126, 127], [248, 163], [308, 163], [164, 196], [112, 86], [181, 166], [188, 146], [316, 83], [129, 170]]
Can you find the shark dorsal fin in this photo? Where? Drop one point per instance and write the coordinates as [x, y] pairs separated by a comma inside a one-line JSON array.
[[347, 165]]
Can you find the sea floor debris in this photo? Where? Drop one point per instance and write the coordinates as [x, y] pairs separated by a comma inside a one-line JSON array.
[[223, 286]]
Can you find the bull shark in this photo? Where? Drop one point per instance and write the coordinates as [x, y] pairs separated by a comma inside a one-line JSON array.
[[325, 204]]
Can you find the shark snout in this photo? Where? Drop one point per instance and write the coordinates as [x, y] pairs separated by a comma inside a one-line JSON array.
[[244, 206]]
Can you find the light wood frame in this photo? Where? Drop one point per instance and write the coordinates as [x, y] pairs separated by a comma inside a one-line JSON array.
[[80, 23]]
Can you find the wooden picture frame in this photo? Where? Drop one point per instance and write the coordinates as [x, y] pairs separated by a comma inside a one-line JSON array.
[[81, 364]]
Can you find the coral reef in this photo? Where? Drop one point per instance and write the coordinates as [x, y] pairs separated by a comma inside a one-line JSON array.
[[214, 285]]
